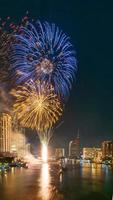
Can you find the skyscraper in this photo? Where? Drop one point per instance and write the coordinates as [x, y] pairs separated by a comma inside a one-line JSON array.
[[74, 147], [18, 144], [18, 139], [5, 133]]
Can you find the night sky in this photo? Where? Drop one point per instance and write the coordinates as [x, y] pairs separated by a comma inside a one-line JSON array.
[[89, 23]]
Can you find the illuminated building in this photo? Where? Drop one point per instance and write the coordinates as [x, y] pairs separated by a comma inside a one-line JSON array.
[[107, 150], [18, 140], [74, 148], [5, 133], [98, 156], [18, 144], [59, 153], [94, 154]]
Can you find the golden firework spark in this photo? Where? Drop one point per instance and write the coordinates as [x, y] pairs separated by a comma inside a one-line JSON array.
[[36, 105]]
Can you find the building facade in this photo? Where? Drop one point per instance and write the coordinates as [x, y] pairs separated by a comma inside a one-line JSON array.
[[18, 143], [74, 148], [18, 140], [107, 150], [5, 133], [94, 154]]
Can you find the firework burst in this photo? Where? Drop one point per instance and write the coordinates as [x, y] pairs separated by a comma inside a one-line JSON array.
[[7, 29], [43, 52], [36, 105]]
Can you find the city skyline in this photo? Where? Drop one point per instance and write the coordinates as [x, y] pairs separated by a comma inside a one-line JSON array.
[[13, 142]]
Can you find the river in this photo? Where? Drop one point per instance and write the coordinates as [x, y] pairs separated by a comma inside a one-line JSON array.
[[43, 182]]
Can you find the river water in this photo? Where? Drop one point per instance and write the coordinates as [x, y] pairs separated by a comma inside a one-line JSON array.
[[43, 182]]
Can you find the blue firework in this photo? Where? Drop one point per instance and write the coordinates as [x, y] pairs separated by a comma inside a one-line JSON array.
[[43, 52]]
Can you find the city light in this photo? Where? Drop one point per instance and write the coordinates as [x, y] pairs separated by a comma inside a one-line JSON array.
[[44, 153]]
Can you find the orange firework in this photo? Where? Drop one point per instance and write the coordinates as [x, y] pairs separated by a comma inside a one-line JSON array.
[[36, 105]]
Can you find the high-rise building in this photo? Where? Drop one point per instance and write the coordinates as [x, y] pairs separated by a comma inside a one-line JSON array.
[[18, 144], [18, 140], [74, 148], [107, 150], [59, 153], [5, 133]]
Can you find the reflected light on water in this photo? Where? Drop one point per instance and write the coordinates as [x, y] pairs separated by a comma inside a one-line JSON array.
[[45, 182]]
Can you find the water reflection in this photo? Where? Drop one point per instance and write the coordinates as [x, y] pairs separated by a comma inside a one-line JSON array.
[[48, 190], [45, 182], [3, 178]]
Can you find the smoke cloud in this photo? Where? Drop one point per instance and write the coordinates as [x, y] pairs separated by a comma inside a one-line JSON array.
[[5, 99]]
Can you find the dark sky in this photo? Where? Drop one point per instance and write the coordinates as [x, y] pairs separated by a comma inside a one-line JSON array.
[[89, 23]]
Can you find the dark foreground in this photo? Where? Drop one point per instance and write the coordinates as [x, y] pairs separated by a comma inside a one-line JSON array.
[[89, 181]]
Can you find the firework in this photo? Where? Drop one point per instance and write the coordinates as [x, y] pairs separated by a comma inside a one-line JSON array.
[[36, 105], [44, 139], [7, 29], [44, 152], [45, 136], [4, 43], [43, 52]]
